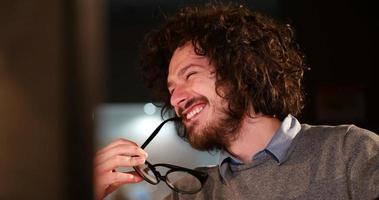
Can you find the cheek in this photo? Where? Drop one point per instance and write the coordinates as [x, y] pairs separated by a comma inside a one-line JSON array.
[[205, 87], [207, 92]]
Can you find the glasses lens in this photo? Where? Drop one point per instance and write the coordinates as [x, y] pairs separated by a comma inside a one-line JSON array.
[[145, 171], [183, 182]]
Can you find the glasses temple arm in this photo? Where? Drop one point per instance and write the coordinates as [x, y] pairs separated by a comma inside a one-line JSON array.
[[157, 130]]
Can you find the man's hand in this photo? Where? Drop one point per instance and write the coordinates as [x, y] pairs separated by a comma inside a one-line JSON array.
[[120, 153]]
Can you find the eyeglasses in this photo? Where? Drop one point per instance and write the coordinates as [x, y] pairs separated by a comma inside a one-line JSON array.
[[150, 173]]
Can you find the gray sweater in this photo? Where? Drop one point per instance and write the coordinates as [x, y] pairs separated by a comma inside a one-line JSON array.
[[325, 162]]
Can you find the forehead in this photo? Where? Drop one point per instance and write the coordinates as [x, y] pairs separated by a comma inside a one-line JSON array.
[[183, 58], [180, 56]]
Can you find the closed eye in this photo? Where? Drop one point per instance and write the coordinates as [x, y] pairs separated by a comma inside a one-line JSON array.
[[190, 74]]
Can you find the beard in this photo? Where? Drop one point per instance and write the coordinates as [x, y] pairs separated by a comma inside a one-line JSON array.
[[216, 134]]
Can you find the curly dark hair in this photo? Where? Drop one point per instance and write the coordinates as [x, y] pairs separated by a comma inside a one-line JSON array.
[[256, 57]]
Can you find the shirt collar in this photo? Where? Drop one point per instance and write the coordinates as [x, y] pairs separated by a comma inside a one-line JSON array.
[[282, 139], [277, 147]]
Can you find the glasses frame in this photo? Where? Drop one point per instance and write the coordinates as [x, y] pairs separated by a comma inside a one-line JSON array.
[[201, 176]]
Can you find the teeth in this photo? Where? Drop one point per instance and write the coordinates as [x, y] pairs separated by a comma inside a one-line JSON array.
[[194, 112]]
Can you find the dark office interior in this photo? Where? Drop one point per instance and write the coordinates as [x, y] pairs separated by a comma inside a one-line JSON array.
[[60, 59], [338, 38]]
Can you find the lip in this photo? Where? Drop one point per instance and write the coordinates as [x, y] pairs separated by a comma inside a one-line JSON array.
[[188, 110]]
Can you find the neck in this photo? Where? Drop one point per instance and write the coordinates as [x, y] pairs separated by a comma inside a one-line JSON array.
[[254, 135]]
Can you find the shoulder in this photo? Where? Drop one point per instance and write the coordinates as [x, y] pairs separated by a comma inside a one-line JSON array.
[[361, 142], [361, 135], [338, 132], [347, 138]]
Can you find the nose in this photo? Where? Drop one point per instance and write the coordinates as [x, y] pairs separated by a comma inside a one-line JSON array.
[[179, 97]]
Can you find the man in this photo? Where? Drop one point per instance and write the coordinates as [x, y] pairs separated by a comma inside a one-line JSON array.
[[234, 77]]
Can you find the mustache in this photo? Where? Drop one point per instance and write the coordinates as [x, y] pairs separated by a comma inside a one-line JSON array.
[[190, 102]]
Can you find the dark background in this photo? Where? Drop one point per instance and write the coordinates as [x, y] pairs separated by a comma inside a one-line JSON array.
[[338, 37], [51, 78], [51, 61]]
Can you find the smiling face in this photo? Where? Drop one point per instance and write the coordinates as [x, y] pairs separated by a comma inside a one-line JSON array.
[[191, 83]]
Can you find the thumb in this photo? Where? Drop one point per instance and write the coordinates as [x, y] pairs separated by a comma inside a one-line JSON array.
[[123, 178]]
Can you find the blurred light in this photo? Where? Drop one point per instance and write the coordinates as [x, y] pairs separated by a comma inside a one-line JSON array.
[[145, 124], [149, 108], [139, 128], [140, 191]]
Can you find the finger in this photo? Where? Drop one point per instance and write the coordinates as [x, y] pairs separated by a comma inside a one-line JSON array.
[[117, 142], [132, 177], [121, 149], [119, 161]]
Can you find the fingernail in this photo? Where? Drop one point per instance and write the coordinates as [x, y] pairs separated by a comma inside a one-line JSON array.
[[131, 176]]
